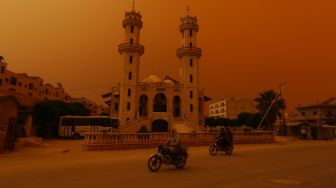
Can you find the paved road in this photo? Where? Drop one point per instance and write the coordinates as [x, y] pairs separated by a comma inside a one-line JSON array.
[[292, 164]]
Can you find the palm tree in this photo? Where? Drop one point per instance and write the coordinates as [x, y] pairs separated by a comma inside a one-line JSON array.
[[265, 100]]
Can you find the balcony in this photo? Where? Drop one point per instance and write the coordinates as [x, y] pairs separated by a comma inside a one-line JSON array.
[[128, 47], [189, 51]]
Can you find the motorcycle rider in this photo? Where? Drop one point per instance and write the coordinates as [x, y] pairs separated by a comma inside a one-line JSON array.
[[174, 144], [222, 137]]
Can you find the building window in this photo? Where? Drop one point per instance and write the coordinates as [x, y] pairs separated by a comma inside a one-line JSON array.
[[130, 59], [190, 62], [129, 92], [20, 84], [132, 29], [31, 86], [2, 69], [116, 106], [190, 44], [13, 80], [130, 75], [128, 106], [190, 32], [191, 107], [131, 41], [191, 78], [191, 94]]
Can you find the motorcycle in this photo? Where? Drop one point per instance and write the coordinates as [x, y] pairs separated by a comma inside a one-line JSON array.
[[163, 156], [218, 146]]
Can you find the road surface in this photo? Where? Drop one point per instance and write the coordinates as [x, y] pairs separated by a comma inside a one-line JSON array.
[[288, 164]]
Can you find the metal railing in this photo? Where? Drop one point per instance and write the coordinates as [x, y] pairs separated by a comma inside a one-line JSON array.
[[101, 141]]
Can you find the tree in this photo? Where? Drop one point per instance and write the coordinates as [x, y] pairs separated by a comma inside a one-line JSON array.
[[210, 121], [243, 118], [264, 101], [47, 114]]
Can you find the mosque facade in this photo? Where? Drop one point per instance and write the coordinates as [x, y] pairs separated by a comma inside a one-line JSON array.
[[158, 104]]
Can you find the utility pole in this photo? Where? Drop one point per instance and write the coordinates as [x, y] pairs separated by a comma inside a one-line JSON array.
[[269, 108], [283, 109]]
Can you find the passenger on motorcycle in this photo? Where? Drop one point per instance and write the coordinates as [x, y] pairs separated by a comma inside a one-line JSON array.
[[174, 144], [229, 136]]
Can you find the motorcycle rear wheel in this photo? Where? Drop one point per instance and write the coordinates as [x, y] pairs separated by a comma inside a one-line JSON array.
[[154, 163], [213, 149], [181, 161], [228, 150]]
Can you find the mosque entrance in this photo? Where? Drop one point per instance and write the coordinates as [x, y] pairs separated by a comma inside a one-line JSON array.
[[160, 103], [160, 125], [143, 105]]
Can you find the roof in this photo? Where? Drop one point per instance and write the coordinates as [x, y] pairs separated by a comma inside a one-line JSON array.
[[331, 102], [155, 79], [106, 95]]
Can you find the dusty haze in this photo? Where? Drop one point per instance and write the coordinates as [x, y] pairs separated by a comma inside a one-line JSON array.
[[248, 46]]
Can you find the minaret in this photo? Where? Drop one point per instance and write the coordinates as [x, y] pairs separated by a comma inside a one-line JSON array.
[[189, 56], [130, 50]]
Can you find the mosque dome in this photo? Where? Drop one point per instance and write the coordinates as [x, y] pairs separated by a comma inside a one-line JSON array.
[[152, 79], [170, 82]]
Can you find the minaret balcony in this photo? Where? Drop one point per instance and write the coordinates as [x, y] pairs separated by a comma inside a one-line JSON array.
[[189, 51], [131, 47], [193, 26], [132, 21]]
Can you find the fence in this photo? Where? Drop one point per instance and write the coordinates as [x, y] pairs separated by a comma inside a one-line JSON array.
[[108, 141]]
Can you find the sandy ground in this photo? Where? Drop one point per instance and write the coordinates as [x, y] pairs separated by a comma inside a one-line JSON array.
[[63, 163]]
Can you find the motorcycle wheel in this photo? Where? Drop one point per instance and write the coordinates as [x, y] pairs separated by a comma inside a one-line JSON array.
[[154, 163], [229, 150], [181, 161], [213, 149]]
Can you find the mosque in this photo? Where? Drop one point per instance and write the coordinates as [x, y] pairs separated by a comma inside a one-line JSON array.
[[158, 104]]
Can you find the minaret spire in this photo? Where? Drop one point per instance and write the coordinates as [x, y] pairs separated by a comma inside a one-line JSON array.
[[133, 6], [188, 10]]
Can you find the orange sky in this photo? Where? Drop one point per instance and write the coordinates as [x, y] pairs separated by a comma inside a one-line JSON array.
[[248, 46]]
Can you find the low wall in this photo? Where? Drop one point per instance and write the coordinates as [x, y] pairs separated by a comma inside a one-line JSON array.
[[110, 141]]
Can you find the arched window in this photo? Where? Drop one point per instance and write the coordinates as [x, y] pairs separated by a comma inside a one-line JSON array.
[[128, 106], [130, 75], [131, 41], [132, 29], [143, 105], [130, 59], [160, 103], [191, 78], [190, 44], [190, 62], [176, 106], [190, 32], [129, 92]]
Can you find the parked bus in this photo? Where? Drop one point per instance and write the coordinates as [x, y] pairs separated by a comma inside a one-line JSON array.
[[76, 126]]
